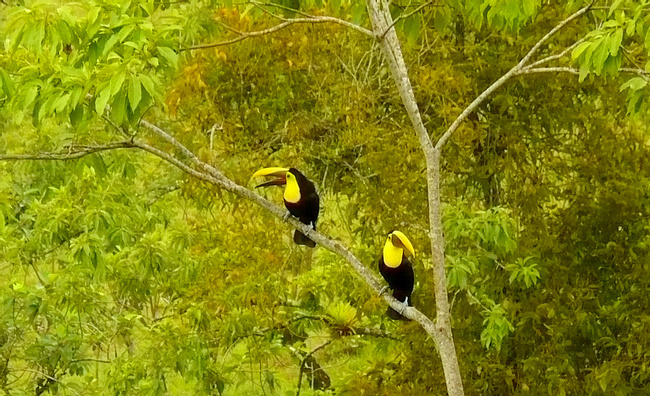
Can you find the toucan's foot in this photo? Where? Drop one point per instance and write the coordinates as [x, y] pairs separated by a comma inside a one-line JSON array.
[[405, 305], [383, 290], [286, 216]]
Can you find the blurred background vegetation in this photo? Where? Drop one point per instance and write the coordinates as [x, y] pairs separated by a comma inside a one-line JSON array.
[[120, 274]]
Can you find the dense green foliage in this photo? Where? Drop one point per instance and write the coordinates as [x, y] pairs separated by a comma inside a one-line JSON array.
[[120, 274]]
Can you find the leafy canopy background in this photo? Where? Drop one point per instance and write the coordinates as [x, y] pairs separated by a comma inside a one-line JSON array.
[[122, 275]]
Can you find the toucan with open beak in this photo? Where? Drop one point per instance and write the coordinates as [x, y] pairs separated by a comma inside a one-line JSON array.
[[397, 270], [300, 197]]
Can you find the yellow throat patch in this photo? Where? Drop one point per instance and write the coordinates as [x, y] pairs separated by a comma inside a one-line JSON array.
[[291, 191], [392, 254]]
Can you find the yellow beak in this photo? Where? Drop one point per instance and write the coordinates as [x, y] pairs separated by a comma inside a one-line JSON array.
[[400, 240], [274, 171], [279, 174]]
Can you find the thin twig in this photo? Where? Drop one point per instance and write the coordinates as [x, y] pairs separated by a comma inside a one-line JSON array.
[[282, 7], [288, 22], [404, 16], [74, 152], [640, 72]]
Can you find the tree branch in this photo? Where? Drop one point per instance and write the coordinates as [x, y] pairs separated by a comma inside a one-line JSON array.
[[572, 70], [286, 23], [527, 70], [441, 333], [639, 72], [512, 72], [557, 56], [213, 176], [304, 360], [74, 152]]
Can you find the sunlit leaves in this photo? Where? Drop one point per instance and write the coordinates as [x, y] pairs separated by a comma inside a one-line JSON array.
[[81, 49], [343, 315], [600, 53], [524, 271], [499, 14], [637, 93], [6, 84], [497, 326], [459, 271]]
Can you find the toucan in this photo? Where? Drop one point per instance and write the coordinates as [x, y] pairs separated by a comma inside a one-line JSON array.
[[397, 270], [300, 197]]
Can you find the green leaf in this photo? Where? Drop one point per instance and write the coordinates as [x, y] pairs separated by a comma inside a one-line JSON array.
[[7, 83], [412, 28], [246, 11], [135, 92], [441, 19], [131, 44], [635, 84], [615, 42], [600, 55], [358, 13], [148, 84], [169, 54], [118, 107], [124, 32], [61, 102], [76, 115], [110, 43], [335, 5], [102, 100], [614, 6], [116, 82], [577, 51], [30, 95]]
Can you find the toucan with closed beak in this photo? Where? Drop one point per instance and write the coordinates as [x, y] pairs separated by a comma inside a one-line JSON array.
[[397, 270]]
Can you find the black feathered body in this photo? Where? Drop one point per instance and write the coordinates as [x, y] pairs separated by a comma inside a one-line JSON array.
[[306, 209], [401, 280]]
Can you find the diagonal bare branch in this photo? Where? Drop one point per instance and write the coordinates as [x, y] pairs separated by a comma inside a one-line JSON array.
[[511, 73], [556, 56]]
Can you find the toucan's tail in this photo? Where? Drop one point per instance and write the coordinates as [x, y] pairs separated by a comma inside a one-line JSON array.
[[301, 239], [400, 295]]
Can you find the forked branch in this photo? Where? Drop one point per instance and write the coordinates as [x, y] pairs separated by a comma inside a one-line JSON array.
[[517, 69]]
